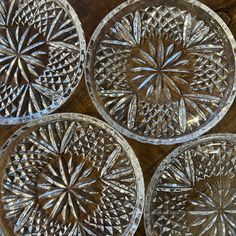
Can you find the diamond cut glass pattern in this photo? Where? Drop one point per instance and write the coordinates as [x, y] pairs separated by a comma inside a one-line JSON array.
[[70, 174], [41, 57], [193, 192], [162, 72]]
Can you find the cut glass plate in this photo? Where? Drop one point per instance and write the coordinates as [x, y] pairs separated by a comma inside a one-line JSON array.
[[42, 50], [69, 174], [193, 191], [162, 72]]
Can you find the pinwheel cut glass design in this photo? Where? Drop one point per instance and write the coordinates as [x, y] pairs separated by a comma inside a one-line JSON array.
[[161, 71], [69, 175], [41, 57], [193, 192]]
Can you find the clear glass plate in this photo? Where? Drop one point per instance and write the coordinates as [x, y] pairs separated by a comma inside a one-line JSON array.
[[193, 191], [162, 72], [42, 51], [69, 174]]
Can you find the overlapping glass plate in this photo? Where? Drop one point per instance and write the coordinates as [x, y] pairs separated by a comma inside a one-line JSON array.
[[162, 72], [42, 50], [69, 174], [193, 191]]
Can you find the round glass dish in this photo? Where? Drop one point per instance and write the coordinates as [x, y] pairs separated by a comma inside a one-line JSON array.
[[69, 174], [42, 52], [193, 191], [162, 72]]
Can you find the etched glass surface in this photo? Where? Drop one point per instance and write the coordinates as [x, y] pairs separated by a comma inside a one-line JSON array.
[[193, 192], [70, 175], [161, 71], [41, 57]]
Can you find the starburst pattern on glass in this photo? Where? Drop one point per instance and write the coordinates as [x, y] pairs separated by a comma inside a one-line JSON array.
[[21, 55], [159, 70], [70, 175], [193, 192], [162, 73], [69, 189], [41, 57], [214, 209]]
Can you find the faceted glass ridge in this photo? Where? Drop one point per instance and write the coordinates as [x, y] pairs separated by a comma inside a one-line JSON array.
[[69, 174], [42, 49], [193, 191], [160, 71]]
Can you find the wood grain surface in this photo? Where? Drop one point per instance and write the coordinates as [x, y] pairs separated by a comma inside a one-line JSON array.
[[91, 12]]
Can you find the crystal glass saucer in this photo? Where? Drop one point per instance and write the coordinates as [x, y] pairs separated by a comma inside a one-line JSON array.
[[42, 50], [162, 72], [69, 174], [193, 191]]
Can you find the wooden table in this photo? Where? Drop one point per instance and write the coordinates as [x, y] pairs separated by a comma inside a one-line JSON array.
[[91, 12]]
